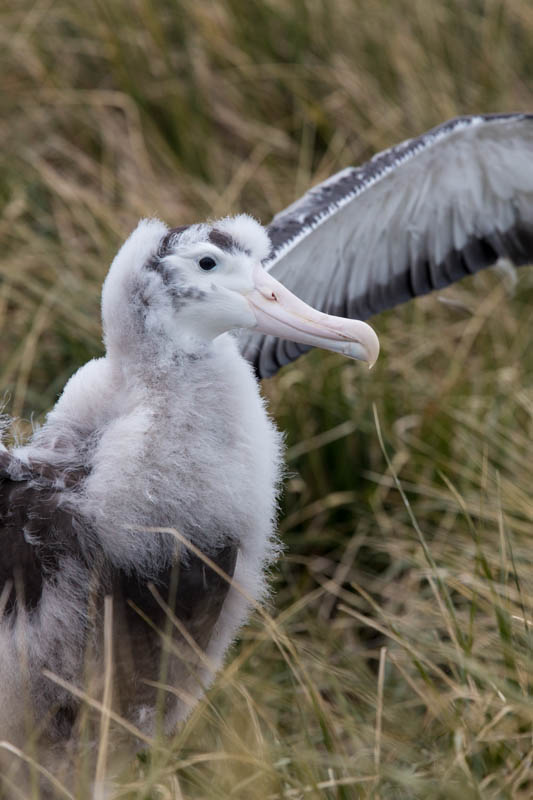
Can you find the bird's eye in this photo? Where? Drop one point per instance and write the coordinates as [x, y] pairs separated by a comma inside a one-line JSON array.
[[207, 263]]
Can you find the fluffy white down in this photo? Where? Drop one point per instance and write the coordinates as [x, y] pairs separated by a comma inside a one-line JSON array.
[[248, 232], [170, 441], [198, 451]]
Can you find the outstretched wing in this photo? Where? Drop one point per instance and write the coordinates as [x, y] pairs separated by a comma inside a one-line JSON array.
[[415, 218]]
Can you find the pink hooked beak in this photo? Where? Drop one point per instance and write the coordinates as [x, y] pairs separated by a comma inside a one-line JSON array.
[[280, 313]]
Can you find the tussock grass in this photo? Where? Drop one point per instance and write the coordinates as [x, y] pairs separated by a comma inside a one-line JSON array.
[[399, 658]]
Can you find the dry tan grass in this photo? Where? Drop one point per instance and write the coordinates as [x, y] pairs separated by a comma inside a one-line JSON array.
[[399, 662]]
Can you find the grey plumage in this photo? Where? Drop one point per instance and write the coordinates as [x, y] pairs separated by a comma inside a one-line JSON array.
[[415, 218]]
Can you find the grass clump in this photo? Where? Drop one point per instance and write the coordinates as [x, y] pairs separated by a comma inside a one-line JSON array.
[[398, 660]]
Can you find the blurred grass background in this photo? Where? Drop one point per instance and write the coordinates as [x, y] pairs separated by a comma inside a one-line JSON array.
[[399, 661]]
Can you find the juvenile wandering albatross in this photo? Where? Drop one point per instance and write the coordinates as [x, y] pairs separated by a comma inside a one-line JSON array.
[[169, 431]]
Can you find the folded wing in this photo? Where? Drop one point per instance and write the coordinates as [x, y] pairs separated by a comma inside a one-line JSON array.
[[54, 575], [36, 532]]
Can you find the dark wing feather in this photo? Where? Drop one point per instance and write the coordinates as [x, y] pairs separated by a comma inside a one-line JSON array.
[[415, 218], [193, 591], [35, 532], [201, 593]]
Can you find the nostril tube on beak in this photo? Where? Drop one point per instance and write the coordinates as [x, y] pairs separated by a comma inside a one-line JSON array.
[[280, 313], [267, 293]]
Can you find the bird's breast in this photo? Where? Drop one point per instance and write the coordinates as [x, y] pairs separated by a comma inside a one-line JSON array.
[[201, 457]]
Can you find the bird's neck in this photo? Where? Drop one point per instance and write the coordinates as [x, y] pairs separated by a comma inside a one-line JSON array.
[[161, 365], [108, 388]]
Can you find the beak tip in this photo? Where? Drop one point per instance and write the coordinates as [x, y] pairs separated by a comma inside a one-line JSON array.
[[291, 318], [373, 348]]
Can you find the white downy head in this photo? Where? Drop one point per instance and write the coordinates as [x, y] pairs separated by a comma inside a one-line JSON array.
[[179, 289]]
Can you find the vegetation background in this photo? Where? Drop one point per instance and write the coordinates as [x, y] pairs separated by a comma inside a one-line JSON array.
[[398, 660]]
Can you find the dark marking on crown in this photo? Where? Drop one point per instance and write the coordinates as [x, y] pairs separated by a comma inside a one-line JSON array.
[[169, 240], [166, 245], [226, 242]]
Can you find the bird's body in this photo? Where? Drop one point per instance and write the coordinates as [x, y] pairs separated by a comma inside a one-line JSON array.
[[154, 479], [142, 453], [134, 453]]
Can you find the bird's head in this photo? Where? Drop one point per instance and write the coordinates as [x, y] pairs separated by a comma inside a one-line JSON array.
[[183, 287]]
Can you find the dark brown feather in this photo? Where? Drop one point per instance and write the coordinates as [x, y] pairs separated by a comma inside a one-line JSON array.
[[35, 532]]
